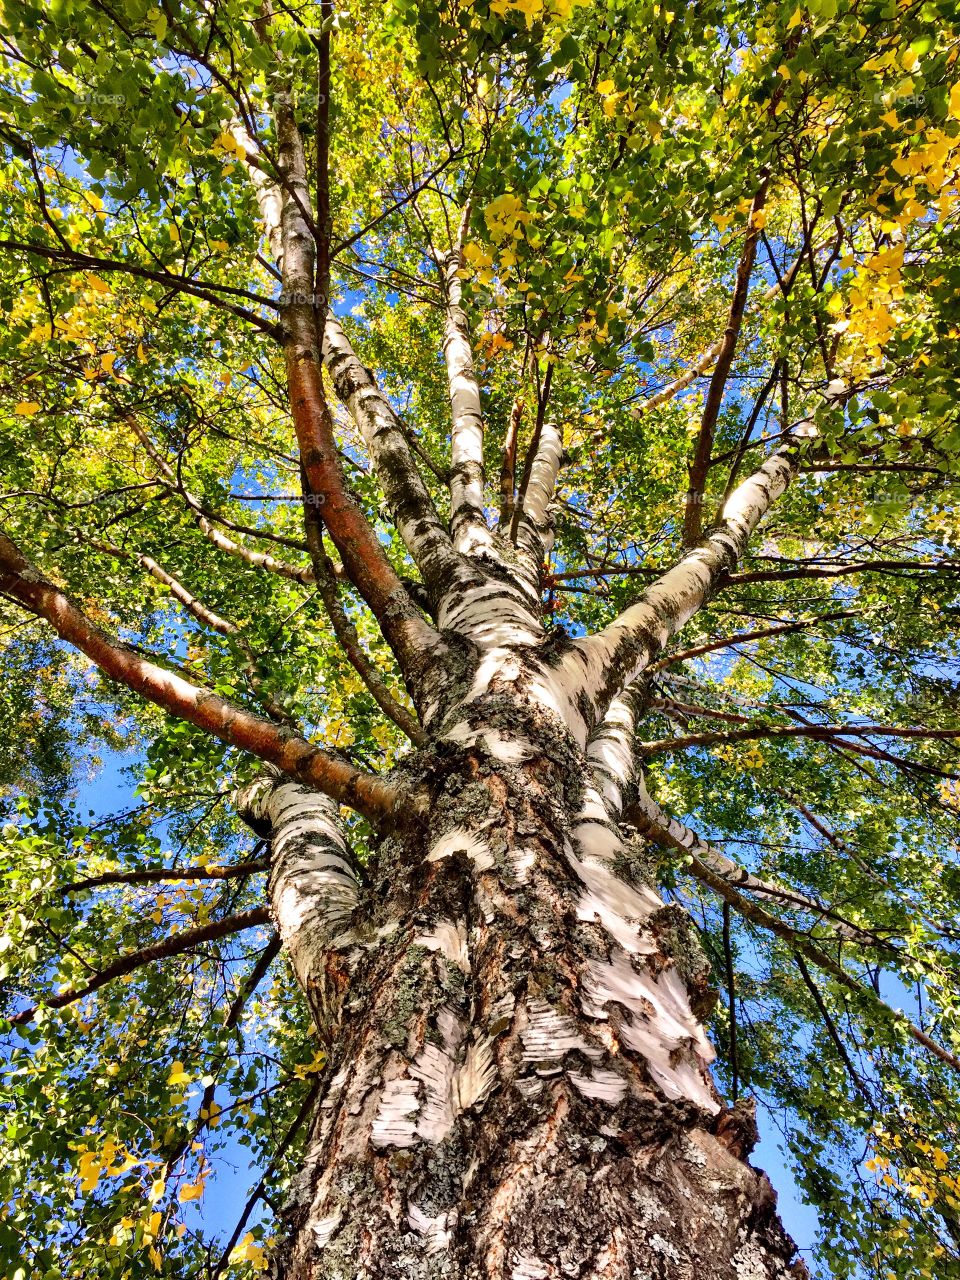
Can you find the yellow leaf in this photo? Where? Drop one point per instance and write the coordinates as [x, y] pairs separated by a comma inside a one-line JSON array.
[[26, 408], [155, 1258], [98, 285], [107, 361], [221, 246], [192, 1191], [759, 220], [796, 19], [89, 1168], [211, 1114], [178, 1075], [248, 1251], [141, 354], [605, 87], [157, 1189], [309, 1068]]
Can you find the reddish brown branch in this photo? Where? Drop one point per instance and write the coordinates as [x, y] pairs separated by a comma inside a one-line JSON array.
[[360, 550], [224, 720], [700, 465]]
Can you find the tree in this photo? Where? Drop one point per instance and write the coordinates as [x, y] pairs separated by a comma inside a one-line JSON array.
[[355, 367]]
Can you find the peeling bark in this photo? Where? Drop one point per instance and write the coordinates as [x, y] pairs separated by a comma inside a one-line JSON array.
[[467, 520], [518, 1082]]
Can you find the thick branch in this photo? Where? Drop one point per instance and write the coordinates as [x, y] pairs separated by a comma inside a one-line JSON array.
[[468, 524], [314, 885], [346, 633], [543, 398], [655, 823], [224, 720], [407, 497], [539, 490], [614, 657], [363, 556]]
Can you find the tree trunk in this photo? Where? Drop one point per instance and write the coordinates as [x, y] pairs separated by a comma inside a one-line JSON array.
[[517, 1085]]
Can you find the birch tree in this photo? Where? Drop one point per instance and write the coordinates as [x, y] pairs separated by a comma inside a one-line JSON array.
[[491, 467]]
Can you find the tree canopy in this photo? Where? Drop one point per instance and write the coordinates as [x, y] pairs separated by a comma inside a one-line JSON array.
[[669, 236]]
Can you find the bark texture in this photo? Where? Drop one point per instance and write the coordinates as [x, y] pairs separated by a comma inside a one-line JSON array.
[[518, 1082]]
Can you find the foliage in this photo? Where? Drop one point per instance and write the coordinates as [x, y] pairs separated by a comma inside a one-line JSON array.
[[611, 156]]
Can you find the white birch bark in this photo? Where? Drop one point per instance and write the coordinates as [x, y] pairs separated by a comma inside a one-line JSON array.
[[615, 791], [535, 530], [601, 665], [468, 524], [408, 500], [265, 190], [313, 886]]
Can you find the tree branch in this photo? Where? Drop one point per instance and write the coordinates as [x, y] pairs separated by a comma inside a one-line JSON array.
[[816, 731], [346, 633], [799, 943], [230, 723], [363, 556], [612, 658], [174, 945], [314, 881], [842, 570], [179, 284], [652, 821], [764, 633], [257, 559], [151, 875], [508, 468], [468, 523], [700, 464]]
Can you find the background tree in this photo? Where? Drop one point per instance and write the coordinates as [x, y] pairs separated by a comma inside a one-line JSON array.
[[503, 456]]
